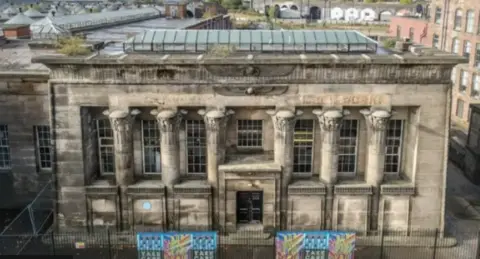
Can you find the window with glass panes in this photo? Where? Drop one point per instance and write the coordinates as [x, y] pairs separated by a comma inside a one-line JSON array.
[[105, 146], [477, 55], [249, 133], [347, 147], [455, 45], [457, 23], [467, 48], [435, 41], [196, 147], [460, 107], [303, 147], [476, 86], [393, 146], [43, 147], [470, 24], [151, 147], [5, 162], [463, 81], [438, 15]]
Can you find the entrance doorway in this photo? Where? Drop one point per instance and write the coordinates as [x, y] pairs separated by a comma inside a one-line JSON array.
[[250, 207]]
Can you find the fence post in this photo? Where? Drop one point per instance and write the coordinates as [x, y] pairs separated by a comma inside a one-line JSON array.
[[381, 243], [435, 244], [109, 244], [52, 236]]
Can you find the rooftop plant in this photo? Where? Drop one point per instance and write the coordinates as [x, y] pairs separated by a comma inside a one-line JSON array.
[[72, 46]]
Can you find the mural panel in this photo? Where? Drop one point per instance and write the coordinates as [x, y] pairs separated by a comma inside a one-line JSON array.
[[315, 245]]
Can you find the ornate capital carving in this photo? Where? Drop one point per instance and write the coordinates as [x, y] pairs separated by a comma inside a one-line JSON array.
[[377, 119], [284, 120], [168, 119], [215, 120], [330, 119], [121, 121]]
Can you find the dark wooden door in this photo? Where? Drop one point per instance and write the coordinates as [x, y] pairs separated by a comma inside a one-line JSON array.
[[249, 207]]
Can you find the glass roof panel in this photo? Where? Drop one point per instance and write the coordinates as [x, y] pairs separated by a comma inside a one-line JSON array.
[[249, 40], [191, 37]]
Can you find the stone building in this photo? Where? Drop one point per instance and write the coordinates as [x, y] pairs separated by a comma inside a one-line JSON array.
[[177, 134]]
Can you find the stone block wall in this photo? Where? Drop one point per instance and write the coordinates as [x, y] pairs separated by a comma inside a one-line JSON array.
[[24, 104]]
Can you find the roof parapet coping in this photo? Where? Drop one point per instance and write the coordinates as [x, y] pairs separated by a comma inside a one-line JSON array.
[[433, 57]]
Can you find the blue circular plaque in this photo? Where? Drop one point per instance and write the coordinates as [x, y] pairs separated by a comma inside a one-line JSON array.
[[147, 205]]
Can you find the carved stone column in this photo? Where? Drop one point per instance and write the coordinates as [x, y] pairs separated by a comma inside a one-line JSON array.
[[122, 126], [215, 123], [330, 120], [284, 124], [377, 121], [169, 123]]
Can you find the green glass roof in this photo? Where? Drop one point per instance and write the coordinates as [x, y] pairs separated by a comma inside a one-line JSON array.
[[251, 40]]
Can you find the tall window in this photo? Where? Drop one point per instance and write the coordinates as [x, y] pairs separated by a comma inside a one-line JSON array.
[[454, 75], [457, 23], [347, 147], [455, 45], [477, 55], [411, 34], [151, 147], [476, 86], [467, 48], [303, 147], [460, 107], [196, 147], [438, 15], [4, 148], [463, 81], [105, 146], [470, 21], [393, 147], [249, 133], [43, 147], [435, 41]]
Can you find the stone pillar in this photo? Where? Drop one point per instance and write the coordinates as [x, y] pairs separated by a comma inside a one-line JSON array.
[[215, 124], [169, 123], [330, 120], [122, 122], [284, 124], [377, 121]]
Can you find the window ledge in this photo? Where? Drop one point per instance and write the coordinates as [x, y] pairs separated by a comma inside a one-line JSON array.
[[304, 187], [5, 171], [101, 187], [146, 186], [201, 187]]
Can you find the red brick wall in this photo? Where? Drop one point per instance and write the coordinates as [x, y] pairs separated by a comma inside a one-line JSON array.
[[17, 33], [420, 28]]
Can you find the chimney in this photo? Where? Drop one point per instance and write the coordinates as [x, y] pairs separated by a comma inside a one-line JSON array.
[[90, 10], [53, 13], [20, 10], [31, 5]]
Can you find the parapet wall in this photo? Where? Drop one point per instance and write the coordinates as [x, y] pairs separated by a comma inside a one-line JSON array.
[[216, 22]]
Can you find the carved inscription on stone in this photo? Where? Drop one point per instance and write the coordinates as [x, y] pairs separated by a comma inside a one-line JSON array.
[[370, 100]]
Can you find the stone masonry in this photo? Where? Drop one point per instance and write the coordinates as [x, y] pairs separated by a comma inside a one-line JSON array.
[[179, 92]]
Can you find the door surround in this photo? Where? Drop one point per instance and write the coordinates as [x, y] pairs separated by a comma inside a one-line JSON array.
[[235, 178]]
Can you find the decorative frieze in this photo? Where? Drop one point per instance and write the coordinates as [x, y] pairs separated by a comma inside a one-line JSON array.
[[282, 74]]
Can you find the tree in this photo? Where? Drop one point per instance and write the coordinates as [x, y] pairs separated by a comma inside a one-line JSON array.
[[406, 1]]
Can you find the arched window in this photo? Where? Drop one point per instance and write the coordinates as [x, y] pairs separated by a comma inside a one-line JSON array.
[[470, 21], [457, 23]]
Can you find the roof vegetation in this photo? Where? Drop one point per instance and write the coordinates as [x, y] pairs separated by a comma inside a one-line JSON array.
[[72, 46]]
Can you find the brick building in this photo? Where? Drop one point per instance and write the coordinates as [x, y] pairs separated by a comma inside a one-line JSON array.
[[413, 28], [454, 27]]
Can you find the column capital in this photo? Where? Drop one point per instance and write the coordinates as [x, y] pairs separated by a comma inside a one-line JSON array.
[[330, 119], [168, 119], [284, 119], [215, 118], [121, 120], [377, 118]]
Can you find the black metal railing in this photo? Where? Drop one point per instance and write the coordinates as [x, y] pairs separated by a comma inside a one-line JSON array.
[[419, 244]]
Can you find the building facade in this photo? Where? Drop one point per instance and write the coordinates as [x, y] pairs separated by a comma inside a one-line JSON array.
[[454, 27], [265, 141]]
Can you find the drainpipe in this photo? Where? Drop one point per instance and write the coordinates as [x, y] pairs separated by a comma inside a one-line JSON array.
[[51, 95], [446, 6]]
